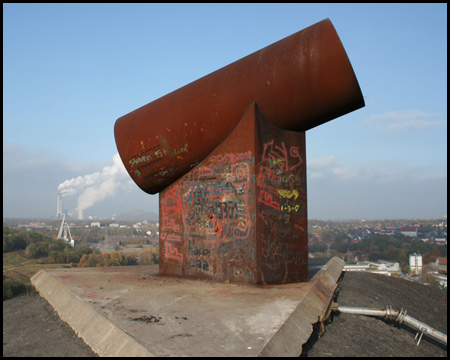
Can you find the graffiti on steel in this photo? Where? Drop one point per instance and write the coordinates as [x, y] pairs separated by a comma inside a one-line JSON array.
[[281, 191], [208, 216]]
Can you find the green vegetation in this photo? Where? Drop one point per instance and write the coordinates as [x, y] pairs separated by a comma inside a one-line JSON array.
[[37, 246], [396, 247], [117, 258], [27, 252], [12, 288], [114, 258], [149, 257], [17, 271]]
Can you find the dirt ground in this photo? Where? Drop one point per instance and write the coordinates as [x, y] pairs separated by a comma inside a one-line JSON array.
[[32, 328]]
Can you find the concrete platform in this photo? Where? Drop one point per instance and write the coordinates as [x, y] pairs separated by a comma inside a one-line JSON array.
[[133, 311]]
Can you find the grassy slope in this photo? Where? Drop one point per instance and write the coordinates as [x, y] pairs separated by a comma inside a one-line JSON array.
[[18, 268]]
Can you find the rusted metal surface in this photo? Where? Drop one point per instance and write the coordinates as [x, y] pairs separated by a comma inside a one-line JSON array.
[[299, 82], [227, 152], [281, 222], [240, 215]]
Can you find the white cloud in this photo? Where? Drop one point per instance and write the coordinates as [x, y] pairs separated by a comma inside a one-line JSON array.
[[378, 189], [328, 166], [405, 120], [317, 167], [343, 173], [375, 172], [321, 162]]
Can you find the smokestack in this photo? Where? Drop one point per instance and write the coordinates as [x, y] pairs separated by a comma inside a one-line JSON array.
[[80, 214], [58, 205]]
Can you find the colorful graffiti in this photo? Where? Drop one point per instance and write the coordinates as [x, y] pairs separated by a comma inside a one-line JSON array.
[[238, 216], [282, 199], [210, 206]]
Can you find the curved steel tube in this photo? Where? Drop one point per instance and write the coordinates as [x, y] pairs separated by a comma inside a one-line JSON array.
[[299, 82], [399, 316]]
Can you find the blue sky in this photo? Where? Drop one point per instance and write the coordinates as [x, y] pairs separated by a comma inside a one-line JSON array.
[[70, 70]]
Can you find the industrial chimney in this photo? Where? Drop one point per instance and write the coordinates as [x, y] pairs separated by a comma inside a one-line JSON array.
[[58, 206]]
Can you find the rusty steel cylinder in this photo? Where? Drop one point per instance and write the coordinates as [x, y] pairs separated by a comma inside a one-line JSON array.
[[299, 82]]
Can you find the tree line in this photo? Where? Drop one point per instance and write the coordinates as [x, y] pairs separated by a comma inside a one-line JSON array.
[[35, 245], [395, 247], [118, 258]]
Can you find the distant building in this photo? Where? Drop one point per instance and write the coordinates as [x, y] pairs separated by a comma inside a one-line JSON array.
[[409, 231], [383, 267], [440, 241], [441, 278], [441, 264], [415, 264]]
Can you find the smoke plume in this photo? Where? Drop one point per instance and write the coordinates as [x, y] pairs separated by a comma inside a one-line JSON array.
[[97, 186]]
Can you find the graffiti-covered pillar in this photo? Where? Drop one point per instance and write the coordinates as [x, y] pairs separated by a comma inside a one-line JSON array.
[[240, 215], [282, 223]]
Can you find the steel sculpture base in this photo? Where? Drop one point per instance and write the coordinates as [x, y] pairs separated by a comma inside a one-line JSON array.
[[240, 216]]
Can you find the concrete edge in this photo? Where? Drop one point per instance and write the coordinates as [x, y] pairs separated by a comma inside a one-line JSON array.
[[289, 339], [97, 332]]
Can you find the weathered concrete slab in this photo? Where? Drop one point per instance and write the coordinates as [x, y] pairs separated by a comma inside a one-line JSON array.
[[133, 311]]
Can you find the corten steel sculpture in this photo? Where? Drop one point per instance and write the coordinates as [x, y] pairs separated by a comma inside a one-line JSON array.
[[227, 154]]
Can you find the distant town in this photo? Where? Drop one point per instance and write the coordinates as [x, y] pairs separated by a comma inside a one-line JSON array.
[[415, 250]]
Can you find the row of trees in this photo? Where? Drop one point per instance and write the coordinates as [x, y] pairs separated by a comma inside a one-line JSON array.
[[117, 258], [395, 247], [114, 258], [14, 240], [93, 235], [37, 245]]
